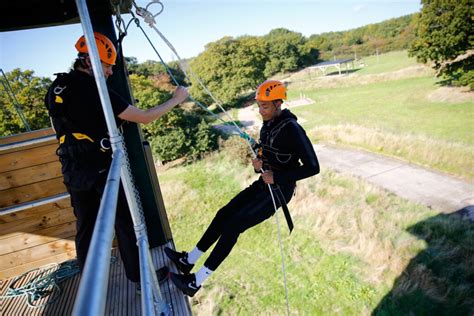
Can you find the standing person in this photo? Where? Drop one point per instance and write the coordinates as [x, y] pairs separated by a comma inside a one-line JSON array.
[[84, 149], [286, 156]]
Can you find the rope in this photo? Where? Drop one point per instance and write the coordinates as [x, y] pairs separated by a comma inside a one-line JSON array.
[[9, 91], [45, 283], [149, 18]]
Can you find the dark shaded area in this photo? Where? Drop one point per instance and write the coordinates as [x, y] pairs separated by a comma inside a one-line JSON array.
[[440, 279], [28, 14], [343, 72]]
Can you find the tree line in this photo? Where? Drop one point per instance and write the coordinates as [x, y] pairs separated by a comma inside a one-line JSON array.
[[231, 67]]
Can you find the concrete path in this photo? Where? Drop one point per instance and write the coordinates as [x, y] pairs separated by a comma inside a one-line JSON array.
[[420, 185], [436, 190]]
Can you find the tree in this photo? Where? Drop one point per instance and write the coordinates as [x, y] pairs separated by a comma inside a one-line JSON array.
[[229, 67], [444, 32], [179, 133], [283, 51], [30, 91]]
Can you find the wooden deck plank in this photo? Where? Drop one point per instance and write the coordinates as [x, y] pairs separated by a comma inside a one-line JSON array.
[[32, 192], [34, 264], [28, 255], [25, 136], [35, 211], [122, 299], [29, 175], [28, 157], [37, 238], [38, 222]]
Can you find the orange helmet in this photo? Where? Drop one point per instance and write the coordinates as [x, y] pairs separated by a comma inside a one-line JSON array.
[[271, 90], [107, 52]]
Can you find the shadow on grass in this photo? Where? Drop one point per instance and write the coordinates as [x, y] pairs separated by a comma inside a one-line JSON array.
[[440, 279]]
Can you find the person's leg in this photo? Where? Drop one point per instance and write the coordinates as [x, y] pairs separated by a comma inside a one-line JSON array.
[[255, 212], [185, 261], [85, 205], [215, 229], [127, 241]]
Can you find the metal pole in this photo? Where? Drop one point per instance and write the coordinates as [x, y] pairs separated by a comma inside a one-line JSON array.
[[126, 176], [93, 287], [28, 205], [29, 142]]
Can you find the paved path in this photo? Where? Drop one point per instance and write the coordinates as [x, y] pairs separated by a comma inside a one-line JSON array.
[[439, 191], [431, 188]]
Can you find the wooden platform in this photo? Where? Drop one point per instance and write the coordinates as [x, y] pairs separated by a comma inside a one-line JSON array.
[[121, 297]]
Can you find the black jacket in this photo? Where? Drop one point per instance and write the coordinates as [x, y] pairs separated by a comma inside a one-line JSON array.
[[286, 150]]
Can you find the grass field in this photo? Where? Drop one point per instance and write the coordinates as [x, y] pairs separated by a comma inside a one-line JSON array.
[[392, 113], [355, 248]]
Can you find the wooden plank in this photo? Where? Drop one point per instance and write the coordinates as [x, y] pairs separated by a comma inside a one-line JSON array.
[[43, 236], [31, 192], [28, 145], [43, 251], [28, 157], [24, 176], [25, 136], [38, 222], [15, 271], [121, 298], [35, 211]]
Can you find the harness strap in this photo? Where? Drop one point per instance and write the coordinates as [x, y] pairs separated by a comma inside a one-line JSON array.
[[284, 206]]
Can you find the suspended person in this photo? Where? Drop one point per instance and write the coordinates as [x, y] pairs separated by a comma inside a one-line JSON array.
[[84, 149], [286, 156]]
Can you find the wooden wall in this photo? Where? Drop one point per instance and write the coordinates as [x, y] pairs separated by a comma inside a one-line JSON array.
[[43, 234]]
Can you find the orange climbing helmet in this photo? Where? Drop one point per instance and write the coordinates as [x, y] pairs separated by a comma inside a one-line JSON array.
[[271, 90], [107, 52]]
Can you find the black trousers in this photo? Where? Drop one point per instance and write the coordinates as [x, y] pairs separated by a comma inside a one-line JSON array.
[[86, 206], [247, 209]]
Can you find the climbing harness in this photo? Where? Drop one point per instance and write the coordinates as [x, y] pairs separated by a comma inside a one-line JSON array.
[[149, 18]]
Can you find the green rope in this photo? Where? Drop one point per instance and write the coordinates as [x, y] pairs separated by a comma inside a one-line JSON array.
[[241, 133], [45, 283]]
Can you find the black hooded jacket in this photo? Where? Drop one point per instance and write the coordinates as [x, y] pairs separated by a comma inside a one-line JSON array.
[[286, 150]]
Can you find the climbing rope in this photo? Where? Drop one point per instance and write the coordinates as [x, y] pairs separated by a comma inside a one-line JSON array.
[[45, 283], [9, 91], [149, 18]]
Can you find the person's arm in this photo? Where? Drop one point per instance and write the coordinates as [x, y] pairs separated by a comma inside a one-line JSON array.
[[134, 114]]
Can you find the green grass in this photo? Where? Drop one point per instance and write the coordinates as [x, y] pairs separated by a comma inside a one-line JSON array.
[[395, 106], [387, 62], [399, 119], [351, 244]]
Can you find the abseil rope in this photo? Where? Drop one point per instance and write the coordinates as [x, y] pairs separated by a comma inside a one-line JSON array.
[[149, 18], [45, 283]]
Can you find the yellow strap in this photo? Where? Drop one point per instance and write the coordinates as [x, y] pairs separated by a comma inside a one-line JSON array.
[[62, 139], [80, 136], [58, 99]]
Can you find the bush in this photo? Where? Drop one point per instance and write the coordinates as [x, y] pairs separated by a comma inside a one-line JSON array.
[[180, 133], [238, 148]]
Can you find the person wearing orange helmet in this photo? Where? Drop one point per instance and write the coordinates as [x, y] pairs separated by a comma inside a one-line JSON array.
[[84, 151], [285, 155]]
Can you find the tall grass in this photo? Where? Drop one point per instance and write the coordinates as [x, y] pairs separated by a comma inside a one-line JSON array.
[[354, 247], [450, 157], [399, 117]]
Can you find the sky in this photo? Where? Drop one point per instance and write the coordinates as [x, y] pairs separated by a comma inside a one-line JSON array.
[[190, 24]]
